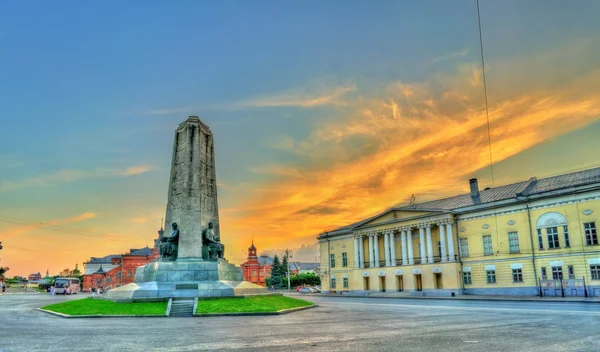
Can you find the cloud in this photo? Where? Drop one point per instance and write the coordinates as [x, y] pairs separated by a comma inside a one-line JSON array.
[[18, 230], [424, 138], [453, 55], [307, 98], [158, 112], [70, 176], [136, 170]]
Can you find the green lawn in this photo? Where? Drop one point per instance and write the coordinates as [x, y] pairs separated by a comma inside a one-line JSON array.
[[100, 306], [254, 304]]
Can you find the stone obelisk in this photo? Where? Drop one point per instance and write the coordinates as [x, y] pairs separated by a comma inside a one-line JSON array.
[[192, 204], [192, 198]]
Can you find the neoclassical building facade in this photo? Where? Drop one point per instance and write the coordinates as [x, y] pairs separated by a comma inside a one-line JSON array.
[[535, 237]]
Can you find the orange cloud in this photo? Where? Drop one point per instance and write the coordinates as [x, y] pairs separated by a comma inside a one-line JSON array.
[[69, 176], [414, 138]]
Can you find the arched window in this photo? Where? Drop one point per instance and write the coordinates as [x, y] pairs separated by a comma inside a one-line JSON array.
[[549, 224]]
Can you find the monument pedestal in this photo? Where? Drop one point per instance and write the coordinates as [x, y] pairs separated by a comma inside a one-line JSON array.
[[185, 278]]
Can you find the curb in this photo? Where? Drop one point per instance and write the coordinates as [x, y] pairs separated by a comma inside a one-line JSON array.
[[459, 298], [100, 315], [279, 312]]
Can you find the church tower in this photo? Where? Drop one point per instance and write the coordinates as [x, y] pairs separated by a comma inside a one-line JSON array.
[[252, 252]]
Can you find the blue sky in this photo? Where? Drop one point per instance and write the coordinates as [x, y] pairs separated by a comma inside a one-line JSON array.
[[296, 94]]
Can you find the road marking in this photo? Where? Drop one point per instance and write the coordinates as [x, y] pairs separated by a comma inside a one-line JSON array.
[[473, 308], [471, 341]]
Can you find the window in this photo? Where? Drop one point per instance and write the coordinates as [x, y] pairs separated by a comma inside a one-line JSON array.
[[591, 237], [552, 233], [544, 274], [439, 248], [513, 242], [253, 272], [345, 282], [517, 275], [487, 245], [540, 239], [333, 282], [129, 273], [491, 276], [595, 271], [571, 272], [463, 245], [557, 273], [344, 259], [332, 260], [566, 231], [467, 278]]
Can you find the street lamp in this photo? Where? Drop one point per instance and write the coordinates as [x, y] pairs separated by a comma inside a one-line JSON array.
[[288, 255]]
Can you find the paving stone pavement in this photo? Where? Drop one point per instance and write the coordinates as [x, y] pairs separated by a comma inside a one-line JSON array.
[[338, 324]]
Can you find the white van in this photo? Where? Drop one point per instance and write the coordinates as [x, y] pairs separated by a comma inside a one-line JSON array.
[[66, 285]]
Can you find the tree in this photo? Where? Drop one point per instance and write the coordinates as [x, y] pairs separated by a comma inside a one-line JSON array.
[[275, 279], [2, 269], [284, 272]]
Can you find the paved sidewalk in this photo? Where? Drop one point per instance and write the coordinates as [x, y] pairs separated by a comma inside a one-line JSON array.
[[401, 295]]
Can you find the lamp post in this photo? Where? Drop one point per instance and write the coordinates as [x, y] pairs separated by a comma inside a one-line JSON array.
[[288, 255]]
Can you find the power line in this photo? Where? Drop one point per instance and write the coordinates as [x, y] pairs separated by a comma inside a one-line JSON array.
[[59, 228], [487, 110]]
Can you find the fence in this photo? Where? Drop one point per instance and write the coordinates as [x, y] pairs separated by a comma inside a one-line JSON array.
[[565, 288]]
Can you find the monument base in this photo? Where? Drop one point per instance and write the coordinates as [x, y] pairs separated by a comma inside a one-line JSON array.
[[185, 278]]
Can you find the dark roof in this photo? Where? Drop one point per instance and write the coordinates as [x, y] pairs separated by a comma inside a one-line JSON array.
[[529, 188], [104, 260], [303, 266], [143, 251], [100, 270], [465, 200], [265, 259]]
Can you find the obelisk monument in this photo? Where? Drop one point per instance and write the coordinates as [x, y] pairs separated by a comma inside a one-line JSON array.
[[191, 262], [192, 198]]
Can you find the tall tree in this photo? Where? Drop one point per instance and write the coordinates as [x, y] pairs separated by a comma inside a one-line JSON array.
[[275, 279], [2, 269]]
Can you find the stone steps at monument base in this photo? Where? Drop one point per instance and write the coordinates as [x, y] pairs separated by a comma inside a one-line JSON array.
[[182, 308]]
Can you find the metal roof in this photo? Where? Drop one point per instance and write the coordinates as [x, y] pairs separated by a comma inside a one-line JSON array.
[[531, 187]]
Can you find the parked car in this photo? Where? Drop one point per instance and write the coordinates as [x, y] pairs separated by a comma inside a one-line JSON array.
[[305, 290]]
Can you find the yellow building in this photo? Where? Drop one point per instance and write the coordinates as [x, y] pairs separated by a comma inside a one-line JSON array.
[[528, 238]]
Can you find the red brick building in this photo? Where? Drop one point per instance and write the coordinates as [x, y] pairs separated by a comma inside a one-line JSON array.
[[256, 269], [120, 271], [35, 277]]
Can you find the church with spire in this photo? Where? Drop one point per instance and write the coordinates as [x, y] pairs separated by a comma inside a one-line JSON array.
[[256, 269]]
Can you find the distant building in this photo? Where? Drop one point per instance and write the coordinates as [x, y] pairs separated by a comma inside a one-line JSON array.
[[301, 268], [35, 277], [256, 269], [115, 270], [121, 269]]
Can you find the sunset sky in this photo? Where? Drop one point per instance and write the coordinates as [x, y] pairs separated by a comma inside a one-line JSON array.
[[323, 113]]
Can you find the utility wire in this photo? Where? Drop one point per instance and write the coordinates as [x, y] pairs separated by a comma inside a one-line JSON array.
[[59, 228], [487, 110]]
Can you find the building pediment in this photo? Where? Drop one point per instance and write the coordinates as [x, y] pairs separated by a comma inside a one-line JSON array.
[[396, 215]]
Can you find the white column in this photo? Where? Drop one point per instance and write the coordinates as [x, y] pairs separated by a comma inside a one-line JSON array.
[[392, 248], [356, 258], [376, 245], [411, 257], [386, 248], [371, 257], [450, 241], [422, 244], [403, 238], [443, 242], [429, 245], [361, 252]]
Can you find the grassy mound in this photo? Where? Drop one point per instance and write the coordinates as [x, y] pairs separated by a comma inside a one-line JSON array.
[[253, 304], [89, 306]]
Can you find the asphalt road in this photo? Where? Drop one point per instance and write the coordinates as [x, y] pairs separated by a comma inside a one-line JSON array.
[[338, 324]]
